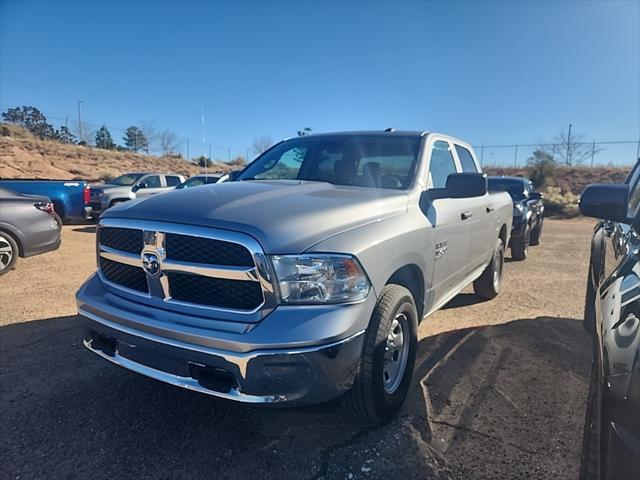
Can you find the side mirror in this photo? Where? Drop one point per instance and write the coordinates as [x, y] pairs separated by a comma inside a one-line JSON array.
[[606, 202], [466, 185], [233, 175], [141, 185]]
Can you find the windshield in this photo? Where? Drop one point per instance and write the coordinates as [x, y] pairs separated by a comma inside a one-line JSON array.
[[125, 180], [372, 161], [515, 188]]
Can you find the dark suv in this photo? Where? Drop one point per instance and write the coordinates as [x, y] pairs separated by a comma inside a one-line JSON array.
[[528, 213], [612, 317]]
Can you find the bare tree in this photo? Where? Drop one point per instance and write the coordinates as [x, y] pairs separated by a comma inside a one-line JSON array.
[[261, 144], [87, 134], [168, 141], [150, 132], [571, 149]]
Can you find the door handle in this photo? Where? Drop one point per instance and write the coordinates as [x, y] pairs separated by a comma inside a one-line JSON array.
[[467, 214], [490, 208]]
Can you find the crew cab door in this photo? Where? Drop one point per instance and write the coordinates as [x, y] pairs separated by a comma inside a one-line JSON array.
[[479, 212], [449, 253], [148, 185]]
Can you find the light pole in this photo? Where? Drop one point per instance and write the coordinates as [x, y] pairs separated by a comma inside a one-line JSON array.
[[80, 102]]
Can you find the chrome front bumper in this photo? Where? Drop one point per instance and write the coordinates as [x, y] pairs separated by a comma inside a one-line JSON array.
[[285, 367], [297, 376]]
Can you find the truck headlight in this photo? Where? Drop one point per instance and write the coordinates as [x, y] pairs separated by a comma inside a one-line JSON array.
[[320, 278]]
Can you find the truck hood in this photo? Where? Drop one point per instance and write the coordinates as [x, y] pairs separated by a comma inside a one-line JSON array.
[[285, 216]]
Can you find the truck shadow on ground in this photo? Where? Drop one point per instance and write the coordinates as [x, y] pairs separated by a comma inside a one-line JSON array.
[[503, 401]]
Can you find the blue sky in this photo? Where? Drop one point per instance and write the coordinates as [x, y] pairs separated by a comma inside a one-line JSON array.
[[488, 72]]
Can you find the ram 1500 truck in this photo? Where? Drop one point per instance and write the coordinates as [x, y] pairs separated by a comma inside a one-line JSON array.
[[304, 279], [127, 187]]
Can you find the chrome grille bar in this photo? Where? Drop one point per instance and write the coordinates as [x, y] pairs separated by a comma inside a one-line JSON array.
[[154, 250]]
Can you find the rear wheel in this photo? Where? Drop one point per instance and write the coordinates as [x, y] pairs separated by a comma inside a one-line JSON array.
[[520, 245], [8, 252], [388, 354], [487, 286]]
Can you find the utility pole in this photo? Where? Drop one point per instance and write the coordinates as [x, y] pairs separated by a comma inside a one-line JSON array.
[[79, 121], [188, 158], [593, 151], [515, 157], [569, 145], [482, 155]]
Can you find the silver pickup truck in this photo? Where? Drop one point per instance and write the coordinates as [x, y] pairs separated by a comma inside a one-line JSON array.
[[304, 279], [127, 187]]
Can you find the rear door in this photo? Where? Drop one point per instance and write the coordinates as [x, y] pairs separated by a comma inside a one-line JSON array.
[[480, 209], [450, 252]]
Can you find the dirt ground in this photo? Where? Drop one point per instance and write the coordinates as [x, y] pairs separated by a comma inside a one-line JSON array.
[[499, 390]]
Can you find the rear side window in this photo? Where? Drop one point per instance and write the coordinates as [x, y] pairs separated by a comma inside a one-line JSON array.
[[442, 164], [466, 160], [152, 182], [172, 180]]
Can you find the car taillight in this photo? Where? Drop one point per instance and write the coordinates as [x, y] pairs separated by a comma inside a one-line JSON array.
[[45, 207], [86, 194]]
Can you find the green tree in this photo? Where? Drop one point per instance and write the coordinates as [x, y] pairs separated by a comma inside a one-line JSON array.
[[32, 119], [104, 140], [64, 135], [540, 167], [203, 161], [135, 139]]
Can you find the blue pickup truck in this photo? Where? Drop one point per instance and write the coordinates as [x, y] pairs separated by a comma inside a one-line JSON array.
[[69, 197]]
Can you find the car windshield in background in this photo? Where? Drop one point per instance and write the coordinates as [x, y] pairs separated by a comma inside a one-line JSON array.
[[515, 188], [372, 161], [197, 181], [125, 180]]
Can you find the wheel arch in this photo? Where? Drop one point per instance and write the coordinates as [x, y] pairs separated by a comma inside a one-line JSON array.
[[15, 236], [410, 277]]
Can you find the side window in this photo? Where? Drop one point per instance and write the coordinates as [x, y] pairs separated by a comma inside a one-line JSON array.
[[172, 180], [466, 160], [442, 164], [287, 166], [152, 181]]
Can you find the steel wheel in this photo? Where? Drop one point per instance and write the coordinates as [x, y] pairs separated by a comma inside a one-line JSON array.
[[396, 352], [7, 252], [498, 263]]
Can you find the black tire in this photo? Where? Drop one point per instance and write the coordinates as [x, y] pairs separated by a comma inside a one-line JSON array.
[[590, 465], [8, 252], [520, 245], [370, 398], [536, 233], [487, 285]]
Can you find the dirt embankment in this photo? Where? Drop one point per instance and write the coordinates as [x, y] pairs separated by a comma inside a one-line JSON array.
[[24, 156], [571, 179]]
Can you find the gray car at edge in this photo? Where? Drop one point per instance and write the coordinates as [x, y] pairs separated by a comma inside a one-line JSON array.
[[305, 279]]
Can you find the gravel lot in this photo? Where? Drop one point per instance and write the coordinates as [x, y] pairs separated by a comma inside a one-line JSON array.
[[499, 390]]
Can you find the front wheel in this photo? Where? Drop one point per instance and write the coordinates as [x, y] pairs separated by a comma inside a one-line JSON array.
[[520, 245], [487, 286], [388, 354]]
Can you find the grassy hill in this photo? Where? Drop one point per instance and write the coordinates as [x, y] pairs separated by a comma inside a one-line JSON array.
[[24, 156]]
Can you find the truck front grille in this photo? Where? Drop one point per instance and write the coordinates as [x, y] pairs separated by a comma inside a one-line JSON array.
[[125, 239], [217, 292], [125, 275], [202, 267], [206, 250]]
